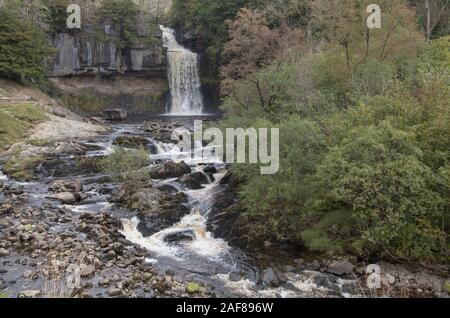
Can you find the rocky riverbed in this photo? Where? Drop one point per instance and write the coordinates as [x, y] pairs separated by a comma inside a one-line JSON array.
[[69, 230]]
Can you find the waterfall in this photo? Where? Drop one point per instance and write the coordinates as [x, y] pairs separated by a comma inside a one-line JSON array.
[[184, 78]]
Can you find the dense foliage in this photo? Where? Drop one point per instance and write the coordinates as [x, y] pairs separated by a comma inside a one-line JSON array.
[[23, 44], [364, 125]]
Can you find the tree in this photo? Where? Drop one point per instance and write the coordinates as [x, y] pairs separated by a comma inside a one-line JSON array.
[[252, 45], [23, 47]]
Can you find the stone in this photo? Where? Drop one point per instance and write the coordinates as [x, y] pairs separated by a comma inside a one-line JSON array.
[[3, 252], [235, 276], [181, 236], [87, 270], [169, 169], [28, 274], [114, 292], [194, 181], [269, 278], [193, 288], [64, 197], [30, 294], [210, 170], [340, 267], [61, 186]]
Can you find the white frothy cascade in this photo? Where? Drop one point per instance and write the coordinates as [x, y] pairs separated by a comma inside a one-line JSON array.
[[184, 78]]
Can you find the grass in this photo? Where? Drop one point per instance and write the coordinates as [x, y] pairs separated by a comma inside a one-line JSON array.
[[125, 164], [85, 103], [21, 168], [41, 142], [15, 121]]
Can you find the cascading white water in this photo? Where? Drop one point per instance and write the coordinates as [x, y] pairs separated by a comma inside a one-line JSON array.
[[184, 77]]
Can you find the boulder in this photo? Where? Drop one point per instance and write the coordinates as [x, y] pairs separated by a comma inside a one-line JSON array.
[[157, 210], [114, 292], [340, 267], [194, 181], [168, 189], [60, 186], [169, 169], [64, 197], [269, 278], [181, 236], [3, 252]]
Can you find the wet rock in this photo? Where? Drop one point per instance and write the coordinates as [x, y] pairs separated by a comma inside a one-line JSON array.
[[194, 181], [87, 270], [235, 276], [169, 189], [269, 278], [3, 252], [60, 186], [64, 197], [171, 210], [340, 267], [114, 292], [314, 266], [30, 294], [169, 169], [210, 170], [147, 199], [181, 236], [28, 274], [134, 142]]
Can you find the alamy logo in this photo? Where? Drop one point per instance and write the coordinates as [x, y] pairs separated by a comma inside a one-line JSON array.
[[238, 145], [74, 18], [374, 20], [374, 278]]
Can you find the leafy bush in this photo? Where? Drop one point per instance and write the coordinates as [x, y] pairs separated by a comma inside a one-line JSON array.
[[126, 165], [378, 174], [23, 48]]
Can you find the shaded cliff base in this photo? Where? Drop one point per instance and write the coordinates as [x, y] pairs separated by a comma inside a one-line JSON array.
[[91, 95]]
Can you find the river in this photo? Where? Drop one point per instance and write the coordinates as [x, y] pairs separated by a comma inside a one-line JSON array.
[[211, 261]]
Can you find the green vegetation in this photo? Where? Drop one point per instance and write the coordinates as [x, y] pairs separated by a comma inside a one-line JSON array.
[[23, 44], [364, 129], [85, 103], [22, 168], [125, 164], [15, 120]]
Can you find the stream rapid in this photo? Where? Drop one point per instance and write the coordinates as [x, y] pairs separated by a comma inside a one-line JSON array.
[[206, 259]]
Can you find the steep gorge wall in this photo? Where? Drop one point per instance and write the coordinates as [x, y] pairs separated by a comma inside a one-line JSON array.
[[89, 64]]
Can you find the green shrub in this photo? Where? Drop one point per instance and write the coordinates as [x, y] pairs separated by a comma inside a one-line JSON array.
[[23, 47], [378, 174], [126, 164]]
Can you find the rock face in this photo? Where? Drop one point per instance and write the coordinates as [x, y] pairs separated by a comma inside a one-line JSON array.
[[169, 169], [116, 114], [81, 54]]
